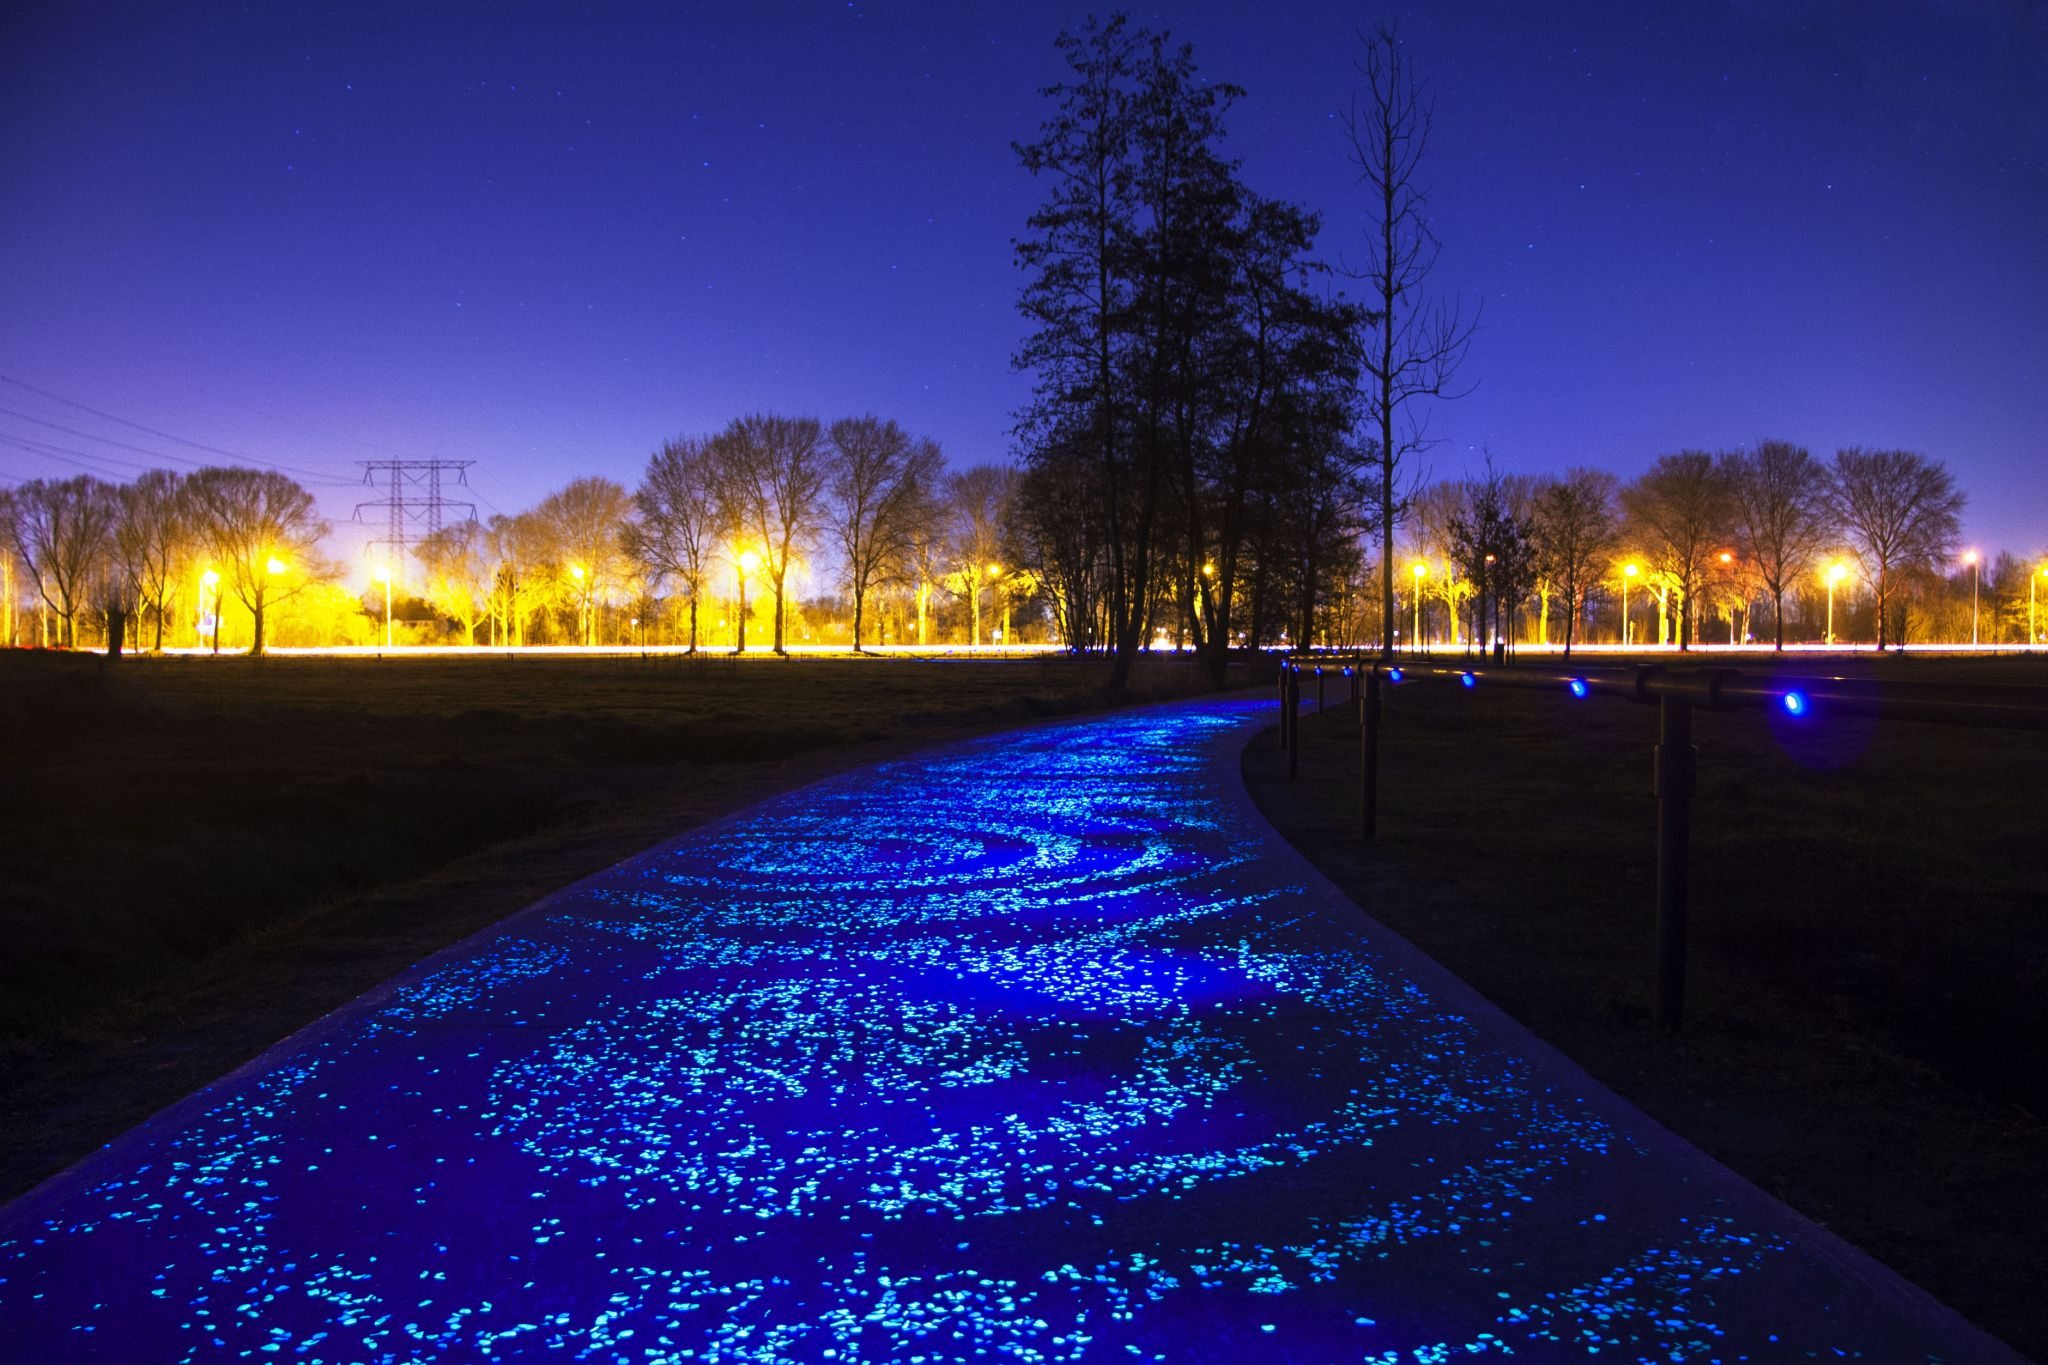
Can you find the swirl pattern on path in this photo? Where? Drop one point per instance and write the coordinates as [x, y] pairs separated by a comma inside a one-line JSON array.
[[1036, 1049]]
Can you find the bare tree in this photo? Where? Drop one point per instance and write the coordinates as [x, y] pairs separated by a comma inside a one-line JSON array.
[[517, 550], [881, 486], [1412, 346], [1574, 526], [679, 521], [770, 486], [62, 530], [264, 535], [584, 523], [1779, 497], [1902, 513], [152, 539], [461, 576], [1680, 511], [979, 501]]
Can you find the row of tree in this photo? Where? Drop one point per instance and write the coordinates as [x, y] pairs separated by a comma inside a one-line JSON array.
[[753, 500], [1745, 525]]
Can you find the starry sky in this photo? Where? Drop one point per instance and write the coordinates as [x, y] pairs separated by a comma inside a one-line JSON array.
[[544, 239]]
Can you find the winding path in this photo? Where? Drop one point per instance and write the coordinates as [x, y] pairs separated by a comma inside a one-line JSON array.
[[1039, 1048]]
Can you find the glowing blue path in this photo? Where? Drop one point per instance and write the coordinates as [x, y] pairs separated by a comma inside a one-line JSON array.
[[1038, 1049]]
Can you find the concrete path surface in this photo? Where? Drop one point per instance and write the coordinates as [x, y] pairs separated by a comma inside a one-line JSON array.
[[1038, 1048]]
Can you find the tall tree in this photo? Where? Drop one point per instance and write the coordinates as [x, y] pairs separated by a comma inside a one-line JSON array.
[[1491, 543], [1413, 346], [152, 539], [461, 575], [770, 486], [1779, 497], [881, 486], [678, 529], [264, 535], [1573, 528], [62, 529], [1902, 512], [1680, 511], [517, 550], [978, 504], [585, 523]]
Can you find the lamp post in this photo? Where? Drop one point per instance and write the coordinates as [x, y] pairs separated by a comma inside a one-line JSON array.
[[995, 595], [1836, 572], [2032, 583], [384, 577], [744, 565], [1207, 582], [1728, 562], [1976, 576], [1628, 571], [582, 604], [211, 579], [1421, 571]]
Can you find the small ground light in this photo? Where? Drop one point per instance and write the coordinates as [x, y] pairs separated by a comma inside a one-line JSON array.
[[1393, 675], [1795, 703], [1578, 688], [1468, 680]]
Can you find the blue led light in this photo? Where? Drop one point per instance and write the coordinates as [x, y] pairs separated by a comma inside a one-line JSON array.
[[1578, 688], [1795, 703], [1394, 675], [1468, 679]]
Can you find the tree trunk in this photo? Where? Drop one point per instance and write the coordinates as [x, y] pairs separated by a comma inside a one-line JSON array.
[[117, 630]]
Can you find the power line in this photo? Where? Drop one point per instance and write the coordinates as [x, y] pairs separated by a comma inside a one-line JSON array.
[[153, 431], [95, 464], [413, 497], [327, 480]]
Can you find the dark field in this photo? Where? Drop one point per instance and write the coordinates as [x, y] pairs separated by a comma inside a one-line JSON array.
[[1866, 1035], [198, 856]]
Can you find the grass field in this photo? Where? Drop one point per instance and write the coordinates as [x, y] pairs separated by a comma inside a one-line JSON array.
[[198, 856], [1866, 1035]]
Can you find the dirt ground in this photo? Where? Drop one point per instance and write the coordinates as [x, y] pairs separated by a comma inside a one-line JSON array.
[[1865, 1036], [199, 856]]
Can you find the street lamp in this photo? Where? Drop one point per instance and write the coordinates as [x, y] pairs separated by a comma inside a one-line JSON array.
[[582, 604], [1836, 573], [211, 579], [1727, 561], [1976, 575], [384, 577], [995, 590], [746, 564], [2032, 582], [1421, 571], [1628, 571]]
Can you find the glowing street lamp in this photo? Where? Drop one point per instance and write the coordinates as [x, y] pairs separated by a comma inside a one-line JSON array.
[[1976, 576], [2032, 583], [1628, 571], [1836, 573], [744, 565], [1420, 571], [211, 579], [384, 577]]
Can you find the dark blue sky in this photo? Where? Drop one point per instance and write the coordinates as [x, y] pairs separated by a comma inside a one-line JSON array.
[[544, 241]]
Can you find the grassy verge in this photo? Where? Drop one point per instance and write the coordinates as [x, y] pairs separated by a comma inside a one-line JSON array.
[[201, 856], [1865, 1034]]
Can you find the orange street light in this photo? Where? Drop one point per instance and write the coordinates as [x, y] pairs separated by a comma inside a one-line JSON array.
[[211, 579], [747, 562], [276, 566], [1976, 577], [1421, 571], [384, 577], [1836, 573], [2032, 637], [1628, 571]]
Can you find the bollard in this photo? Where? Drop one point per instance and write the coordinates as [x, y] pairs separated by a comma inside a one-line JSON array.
[[1280, 734], [1293, 725], [1674, 773], [1319, 689], [1369, 758]]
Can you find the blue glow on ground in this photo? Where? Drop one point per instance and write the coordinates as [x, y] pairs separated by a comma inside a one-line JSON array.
[[1795, 703], [1032, 1050]]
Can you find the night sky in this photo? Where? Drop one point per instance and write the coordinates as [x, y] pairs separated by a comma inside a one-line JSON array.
[[544, 241]]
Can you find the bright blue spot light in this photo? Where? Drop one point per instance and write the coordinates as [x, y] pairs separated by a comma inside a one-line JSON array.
[[1795, 703], [1579, 688], [1468, 680], [1393, 675]]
